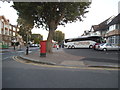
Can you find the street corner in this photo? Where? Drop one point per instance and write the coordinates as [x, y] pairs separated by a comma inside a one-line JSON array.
[[28, 60], [65, 64]]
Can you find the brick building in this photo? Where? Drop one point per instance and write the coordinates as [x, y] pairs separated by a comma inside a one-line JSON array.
[[4, 31], [8, 33]]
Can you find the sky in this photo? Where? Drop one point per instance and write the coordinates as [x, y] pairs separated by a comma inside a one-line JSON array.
[[99, 11]]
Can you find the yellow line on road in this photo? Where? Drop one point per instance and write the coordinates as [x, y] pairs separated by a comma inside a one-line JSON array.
[[70, 67]]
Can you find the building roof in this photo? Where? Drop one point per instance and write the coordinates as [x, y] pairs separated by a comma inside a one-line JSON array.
[[116, 20], [102, 26], [95, 27], [5, 20]]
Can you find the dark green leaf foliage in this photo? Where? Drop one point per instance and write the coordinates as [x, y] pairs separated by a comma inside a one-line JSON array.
[[49, 15], [24, 33], [25, 28], [58, 36], [42, 13], [36, 38]]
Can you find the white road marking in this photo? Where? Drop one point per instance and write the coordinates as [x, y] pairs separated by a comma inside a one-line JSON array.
[[5, 58]]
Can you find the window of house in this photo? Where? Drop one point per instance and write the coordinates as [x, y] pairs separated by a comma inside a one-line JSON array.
[[0, 28], [9, 32], [6, 32], [13, 33], [14, 29], [111, 40], [117, 26], [2, 31], [10, 27], [2, 25], [117, 40], [112, 27], [17, 30], [10, 38]]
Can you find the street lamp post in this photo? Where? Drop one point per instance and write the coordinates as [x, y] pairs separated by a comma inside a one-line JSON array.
[[14, 41], [27, 48]]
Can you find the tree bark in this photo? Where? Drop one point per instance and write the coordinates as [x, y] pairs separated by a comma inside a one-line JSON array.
[[49, 41], [52, 28]]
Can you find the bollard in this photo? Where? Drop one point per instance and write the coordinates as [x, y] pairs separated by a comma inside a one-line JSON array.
[[27, 50]]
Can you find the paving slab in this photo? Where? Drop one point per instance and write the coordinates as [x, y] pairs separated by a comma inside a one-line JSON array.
[[57, 56], [73, 63]]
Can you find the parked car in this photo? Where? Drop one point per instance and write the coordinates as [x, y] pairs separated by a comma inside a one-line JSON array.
[[95, 47], [54, 46], [34, 45], [108, 46]]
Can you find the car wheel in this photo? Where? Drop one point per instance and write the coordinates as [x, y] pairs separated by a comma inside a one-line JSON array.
[[90, 46], [104, 49], [73, 46], [69, 46]]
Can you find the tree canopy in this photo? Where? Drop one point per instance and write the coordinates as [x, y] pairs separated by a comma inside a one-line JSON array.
[[58, 36], [51, 14], [25, 28], [36, 38]]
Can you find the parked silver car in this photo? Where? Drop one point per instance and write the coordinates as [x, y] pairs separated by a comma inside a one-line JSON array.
[[34, 45], [108, 46]]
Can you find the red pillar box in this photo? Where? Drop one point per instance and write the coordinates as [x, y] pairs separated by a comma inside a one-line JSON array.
[[43, 48]]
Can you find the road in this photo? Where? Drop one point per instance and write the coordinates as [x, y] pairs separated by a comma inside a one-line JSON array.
[[20, 75], [96, 57], [90, 53]]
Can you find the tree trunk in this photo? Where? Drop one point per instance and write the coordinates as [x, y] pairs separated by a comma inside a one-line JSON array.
[[52, 28], [49, 41]]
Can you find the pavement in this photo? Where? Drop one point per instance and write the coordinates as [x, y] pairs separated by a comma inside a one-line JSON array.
[[61, 58]]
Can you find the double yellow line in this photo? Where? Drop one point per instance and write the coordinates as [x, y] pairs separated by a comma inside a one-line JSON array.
[[69, 67]]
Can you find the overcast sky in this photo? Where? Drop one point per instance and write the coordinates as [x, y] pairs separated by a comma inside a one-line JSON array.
[[100, 10]]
